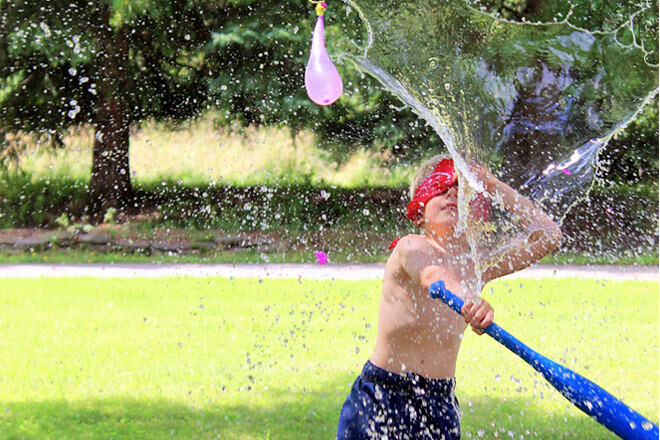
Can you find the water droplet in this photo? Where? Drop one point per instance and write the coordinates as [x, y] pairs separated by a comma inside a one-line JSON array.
[[44, 27]]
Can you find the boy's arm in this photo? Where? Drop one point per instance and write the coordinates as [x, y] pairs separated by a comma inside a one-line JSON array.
[[541, 237]]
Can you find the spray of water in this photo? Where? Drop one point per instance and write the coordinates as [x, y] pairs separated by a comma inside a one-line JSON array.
[[535, 102]]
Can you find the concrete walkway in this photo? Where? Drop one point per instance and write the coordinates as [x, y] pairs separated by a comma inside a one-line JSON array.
[[305, 271]]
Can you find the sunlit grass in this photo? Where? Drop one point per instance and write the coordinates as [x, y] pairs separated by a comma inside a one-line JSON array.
[[198, 152], [212, 358]]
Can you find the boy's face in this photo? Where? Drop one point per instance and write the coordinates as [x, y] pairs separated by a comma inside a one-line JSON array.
[[441, 212]]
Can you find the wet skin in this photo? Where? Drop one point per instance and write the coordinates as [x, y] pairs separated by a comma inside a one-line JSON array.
[[420, 334], [416, 332]]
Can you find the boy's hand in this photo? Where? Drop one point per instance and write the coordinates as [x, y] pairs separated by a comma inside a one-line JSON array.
[[483, 174], [478, 313]]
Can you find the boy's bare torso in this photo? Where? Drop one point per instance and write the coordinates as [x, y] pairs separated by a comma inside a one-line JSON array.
[[417, 333]]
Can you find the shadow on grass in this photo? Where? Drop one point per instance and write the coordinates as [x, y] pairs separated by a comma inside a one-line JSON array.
[[508, 418], [268, 414]]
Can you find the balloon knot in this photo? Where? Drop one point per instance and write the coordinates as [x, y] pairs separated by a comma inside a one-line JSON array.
[[321, 6]]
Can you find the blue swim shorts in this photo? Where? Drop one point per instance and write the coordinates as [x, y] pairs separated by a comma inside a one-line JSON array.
[[386, 405]]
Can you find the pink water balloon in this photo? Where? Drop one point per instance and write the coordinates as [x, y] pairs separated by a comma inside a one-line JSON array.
[[322, 79]]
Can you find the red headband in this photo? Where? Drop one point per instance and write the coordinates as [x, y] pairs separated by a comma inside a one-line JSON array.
[[440, 180]]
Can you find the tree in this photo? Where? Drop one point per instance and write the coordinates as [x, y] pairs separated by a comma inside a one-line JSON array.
[[632, 156], [259, 58], [112, 63], [104, 63], [265, 50]]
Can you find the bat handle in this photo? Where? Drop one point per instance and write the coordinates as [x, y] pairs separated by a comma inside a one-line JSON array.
[[439, 291]]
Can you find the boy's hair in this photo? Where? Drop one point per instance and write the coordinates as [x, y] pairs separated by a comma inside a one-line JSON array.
[[424, 171]]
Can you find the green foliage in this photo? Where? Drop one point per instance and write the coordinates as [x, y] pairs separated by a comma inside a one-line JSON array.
[[632, 157], [57, 49], [109, 217], [245, 58], [615, 220], [264, 53], [25, 201], [63, 221], [259, 60], [298, 207]]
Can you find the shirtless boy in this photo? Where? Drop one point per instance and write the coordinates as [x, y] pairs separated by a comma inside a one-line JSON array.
[[406, 389]]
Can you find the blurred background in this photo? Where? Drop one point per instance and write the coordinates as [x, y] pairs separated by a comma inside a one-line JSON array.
[[181, 131]]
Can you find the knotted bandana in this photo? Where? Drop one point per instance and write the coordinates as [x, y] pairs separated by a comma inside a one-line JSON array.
[[440, 180]]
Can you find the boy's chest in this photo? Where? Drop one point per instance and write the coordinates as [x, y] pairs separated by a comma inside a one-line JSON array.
[[461, 278], [430, 310]]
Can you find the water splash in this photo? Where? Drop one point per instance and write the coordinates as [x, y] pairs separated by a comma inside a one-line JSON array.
[[536, 102]]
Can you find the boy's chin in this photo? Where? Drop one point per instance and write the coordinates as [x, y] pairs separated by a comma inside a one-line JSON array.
[[446, 221], [443, 229]]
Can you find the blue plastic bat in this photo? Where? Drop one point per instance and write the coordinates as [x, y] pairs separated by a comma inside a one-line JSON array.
[[581, 392]]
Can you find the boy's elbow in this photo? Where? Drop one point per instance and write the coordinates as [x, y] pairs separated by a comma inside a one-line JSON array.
[[557, 237], [549, 238], [554, 237]]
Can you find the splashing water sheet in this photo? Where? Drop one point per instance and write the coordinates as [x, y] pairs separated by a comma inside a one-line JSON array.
[[535, 102]]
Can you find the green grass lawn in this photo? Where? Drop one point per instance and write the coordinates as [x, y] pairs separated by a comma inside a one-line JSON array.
[[206, 358]]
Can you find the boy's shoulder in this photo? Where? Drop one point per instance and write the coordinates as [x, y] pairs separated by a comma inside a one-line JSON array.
[[412, 242], [412, 254]]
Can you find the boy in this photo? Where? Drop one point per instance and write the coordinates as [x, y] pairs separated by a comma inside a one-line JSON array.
[[406, 389]]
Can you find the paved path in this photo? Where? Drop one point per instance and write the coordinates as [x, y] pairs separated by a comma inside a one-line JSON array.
[[306, 271]]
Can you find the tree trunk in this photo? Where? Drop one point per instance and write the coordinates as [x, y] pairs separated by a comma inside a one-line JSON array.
[[110, 183]]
